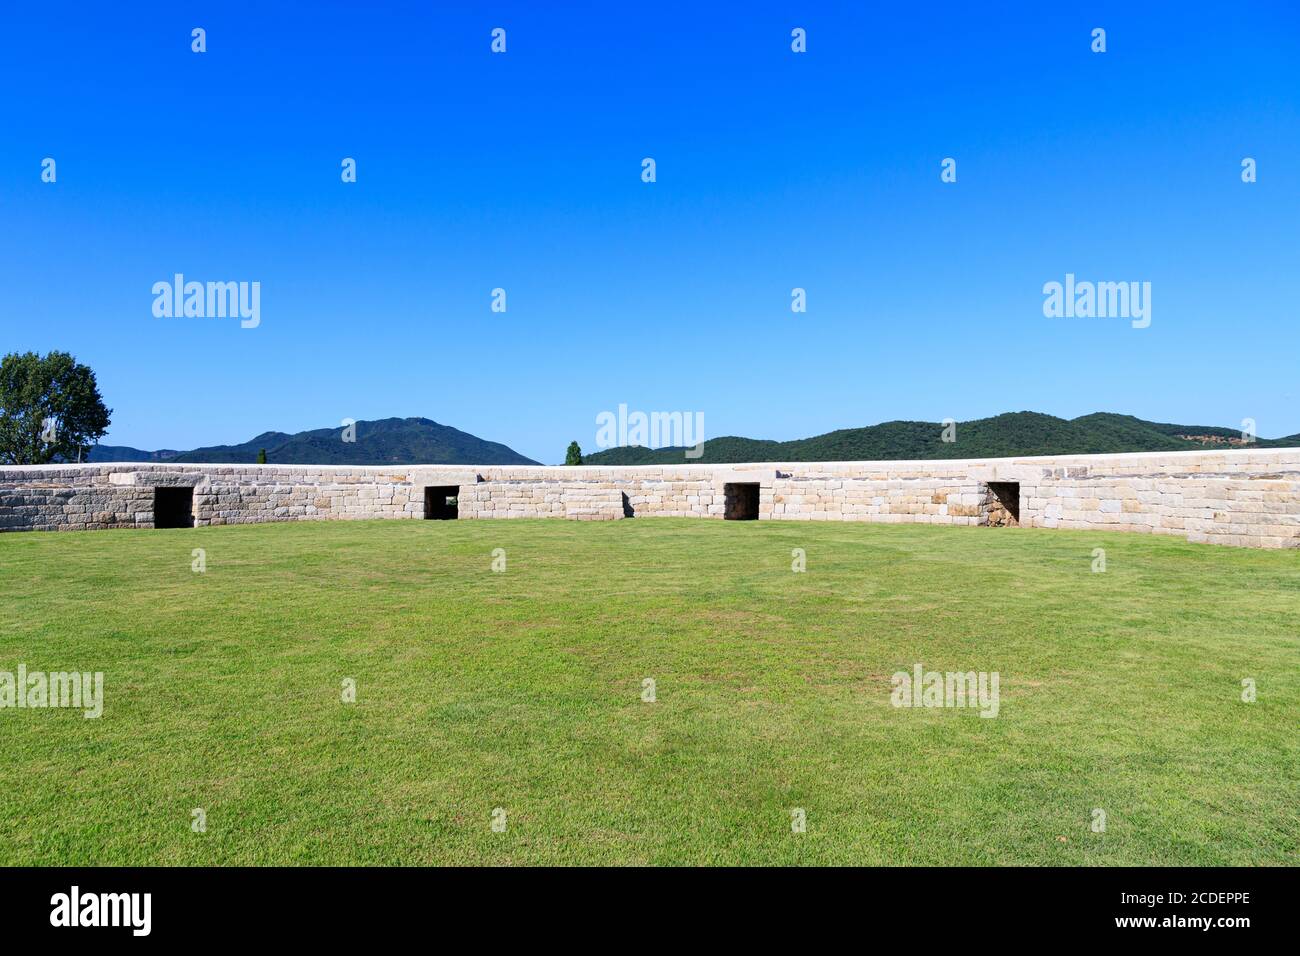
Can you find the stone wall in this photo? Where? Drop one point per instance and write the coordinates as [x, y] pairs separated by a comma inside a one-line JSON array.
[[1237, 497], [579, 500]]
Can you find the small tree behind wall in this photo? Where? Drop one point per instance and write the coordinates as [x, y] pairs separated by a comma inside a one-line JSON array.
[[261, 456], [574, 455], [50, 409]]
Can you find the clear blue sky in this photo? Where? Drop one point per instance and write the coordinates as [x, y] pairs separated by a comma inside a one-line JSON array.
[[775, 170]]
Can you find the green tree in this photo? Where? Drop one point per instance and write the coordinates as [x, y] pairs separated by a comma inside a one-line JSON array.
[[50, 409], [261, 456], [574, 455]]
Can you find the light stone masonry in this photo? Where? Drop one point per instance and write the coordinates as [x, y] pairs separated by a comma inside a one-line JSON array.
[[1236, 497]]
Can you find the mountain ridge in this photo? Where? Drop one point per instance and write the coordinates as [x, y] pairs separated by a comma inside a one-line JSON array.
[[1009, 435], [384, 441], [414, 441]]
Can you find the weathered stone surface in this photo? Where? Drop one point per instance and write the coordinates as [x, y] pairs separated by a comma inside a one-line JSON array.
[[1241, 498]]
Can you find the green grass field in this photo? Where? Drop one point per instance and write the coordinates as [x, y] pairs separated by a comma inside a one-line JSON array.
[[522, 690]]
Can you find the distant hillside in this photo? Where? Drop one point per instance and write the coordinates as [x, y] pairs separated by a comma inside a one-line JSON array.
[[1003, 436], [110, 453], [387, 441]]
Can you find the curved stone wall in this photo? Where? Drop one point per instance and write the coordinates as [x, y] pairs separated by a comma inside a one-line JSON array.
[[1248, 498]]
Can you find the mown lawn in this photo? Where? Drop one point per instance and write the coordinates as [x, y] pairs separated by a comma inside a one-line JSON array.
[[1120, 691]]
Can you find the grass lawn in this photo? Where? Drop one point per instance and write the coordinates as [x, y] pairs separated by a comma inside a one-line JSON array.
[[522, 690]]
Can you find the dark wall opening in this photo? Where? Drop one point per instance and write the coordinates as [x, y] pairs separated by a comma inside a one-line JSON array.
[[628, 511], [741, 501], [440, 501], [1004, 503], [173, 507]]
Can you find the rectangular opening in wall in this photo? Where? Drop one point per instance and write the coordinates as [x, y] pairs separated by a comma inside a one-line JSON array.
[[1004, 504], [741, 499], [173, 507], [440, 501]]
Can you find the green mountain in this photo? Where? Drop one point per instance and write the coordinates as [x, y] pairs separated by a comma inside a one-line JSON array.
[[111, 453], [388, 441], [1002, 436]]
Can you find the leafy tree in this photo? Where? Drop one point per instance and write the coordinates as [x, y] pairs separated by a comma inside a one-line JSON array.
[[261, 456], [50, 409], [574, 455]]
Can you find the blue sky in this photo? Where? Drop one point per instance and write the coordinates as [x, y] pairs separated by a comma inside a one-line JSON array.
[[775, 170]]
